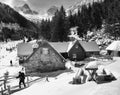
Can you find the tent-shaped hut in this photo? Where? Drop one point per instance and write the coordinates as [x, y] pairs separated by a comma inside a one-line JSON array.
[[76, 52], [45, 58], [114, 48]]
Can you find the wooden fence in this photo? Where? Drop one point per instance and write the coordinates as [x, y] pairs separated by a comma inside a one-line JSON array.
[[6, 89]]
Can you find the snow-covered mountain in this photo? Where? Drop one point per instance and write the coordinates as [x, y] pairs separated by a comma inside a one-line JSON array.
[[34, 16], [28, 13], [51, 11], [37, 10], [26, 9], [78, 5], [40, 9]]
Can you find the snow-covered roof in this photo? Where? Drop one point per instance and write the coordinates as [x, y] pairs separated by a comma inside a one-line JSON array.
[[70, 45], [93, 64], [24, 49], [34, 43], [60, 46], [89, 46], [114, 68], [114, 46]]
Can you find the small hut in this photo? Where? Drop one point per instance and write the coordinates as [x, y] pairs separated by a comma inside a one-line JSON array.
[[114, 48]]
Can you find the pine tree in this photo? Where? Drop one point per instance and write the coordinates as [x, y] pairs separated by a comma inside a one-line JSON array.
[[59, 28], [113, 18], [96, 15], [83, 21], [45, 29], [71, 20]]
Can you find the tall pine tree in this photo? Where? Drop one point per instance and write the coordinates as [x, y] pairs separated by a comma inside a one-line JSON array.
[[59, 32]]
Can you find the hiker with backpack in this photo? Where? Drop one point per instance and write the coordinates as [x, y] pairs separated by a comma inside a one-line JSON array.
[[21, 77]]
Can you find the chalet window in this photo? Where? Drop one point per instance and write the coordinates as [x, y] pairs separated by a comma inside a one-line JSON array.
[[45, 51], [76, 46], [74, 56]]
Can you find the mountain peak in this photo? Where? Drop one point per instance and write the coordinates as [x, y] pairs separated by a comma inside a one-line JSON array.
[[10, 19], [26, 9], [52, 10], [26, 6]]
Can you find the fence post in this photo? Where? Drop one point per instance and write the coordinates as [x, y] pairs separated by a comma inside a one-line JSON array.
[[2, 91], [4, 84], [5, 79], [8, 89], [28, 81]]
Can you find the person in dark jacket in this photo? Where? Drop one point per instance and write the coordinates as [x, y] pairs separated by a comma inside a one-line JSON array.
[[21, 77]]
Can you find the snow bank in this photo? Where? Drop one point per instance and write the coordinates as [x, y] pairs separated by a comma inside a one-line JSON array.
[[12, 70], [114, 67], [109, 89]]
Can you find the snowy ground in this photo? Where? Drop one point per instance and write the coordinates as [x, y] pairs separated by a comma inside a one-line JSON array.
[[62, 86], [6, 56], [59, 85]]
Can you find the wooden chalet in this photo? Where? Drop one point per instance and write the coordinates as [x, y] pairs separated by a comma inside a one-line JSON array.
[[81, 49]]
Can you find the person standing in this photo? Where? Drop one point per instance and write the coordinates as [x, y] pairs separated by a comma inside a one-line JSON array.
[[47, 78], [21, 77], [11, 64]]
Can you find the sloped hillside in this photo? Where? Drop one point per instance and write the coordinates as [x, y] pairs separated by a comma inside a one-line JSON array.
[[26, 9], [8, 15]]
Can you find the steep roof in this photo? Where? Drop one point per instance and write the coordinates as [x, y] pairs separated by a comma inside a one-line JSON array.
[[42, 45], [24, 49], [89, 46], [60, 47], [114, 46], [71, 44]]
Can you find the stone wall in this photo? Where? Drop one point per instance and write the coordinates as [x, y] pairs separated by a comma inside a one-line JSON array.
[[43, 60]]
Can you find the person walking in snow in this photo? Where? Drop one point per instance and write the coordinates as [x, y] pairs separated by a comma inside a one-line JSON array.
[[47, 78], [11, 64], [21, 77]]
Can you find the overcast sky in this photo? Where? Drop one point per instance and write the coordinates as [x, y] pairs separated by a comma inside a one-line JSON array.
[[41, 5]]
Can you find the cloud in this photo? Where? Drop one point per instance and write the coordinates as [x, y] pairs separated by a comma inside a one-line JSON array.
[[13, 2], [25, 0], [8, 2]]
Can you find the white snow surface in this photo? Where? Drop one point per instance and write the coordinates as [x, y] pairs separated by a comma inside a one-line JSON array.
[[59, 85]]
